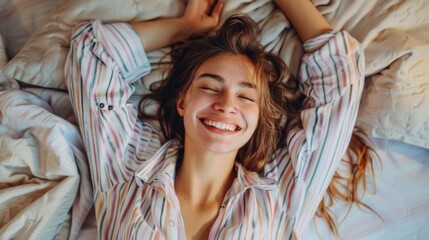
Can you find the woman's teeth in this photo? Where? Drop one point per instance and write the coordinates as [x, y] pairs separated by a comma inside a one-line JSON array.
[[219, 125]]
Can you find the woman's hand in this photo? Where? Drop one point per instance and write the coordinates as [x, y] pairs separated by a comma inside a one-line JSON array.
[[202, 15]]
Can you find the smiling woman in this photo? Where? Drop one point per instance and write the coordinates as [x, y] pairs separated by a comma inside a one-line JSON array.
[[218, 101], [244, 159]]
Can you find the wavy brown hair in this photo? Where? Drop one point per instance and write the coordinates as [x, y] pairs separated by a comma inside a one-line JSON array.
[[279, 102], [237, 36]]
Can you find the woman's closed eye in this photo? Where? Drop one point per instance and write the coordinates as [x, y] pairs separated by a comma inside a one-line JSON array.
[[247, 98], [214, 90], [210, 90]]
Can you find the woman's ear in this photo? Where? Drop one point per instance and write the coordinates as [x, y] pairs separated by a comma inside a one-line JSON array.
[[180, 105]]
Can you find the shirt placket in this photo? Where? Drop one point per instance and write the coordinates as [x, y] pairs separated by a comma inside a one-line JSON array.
[[174, 227], [236, 191]]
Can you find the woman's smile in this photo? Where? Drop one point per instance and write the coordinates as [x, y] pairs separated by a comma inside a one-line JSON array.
[[219, 110], [220, 127]]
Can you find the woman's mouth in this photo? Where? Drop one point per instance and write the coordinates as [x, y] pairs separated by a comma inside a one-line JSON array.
[[220, 125]]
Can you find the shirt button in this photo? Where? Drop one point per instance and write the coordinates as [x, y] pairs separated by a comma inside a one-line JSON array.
[[171, 223], [110, 107], [101, 105]]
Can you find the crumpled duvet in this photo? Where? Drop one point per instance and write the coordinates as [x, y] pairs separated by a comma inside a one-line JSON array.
[[45, 188]]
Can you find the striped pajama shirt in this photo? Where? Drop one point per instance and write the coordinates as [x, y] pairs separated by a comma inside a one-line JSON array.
[[133, 170]]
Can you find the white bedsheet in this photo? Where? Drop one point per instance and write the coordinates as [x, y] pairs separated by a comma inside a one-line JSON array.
[[401, 199]]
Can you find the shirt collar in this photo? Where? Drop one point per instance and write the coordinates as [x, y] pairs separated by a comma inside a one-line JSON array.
[[248, 179], [162, 166]]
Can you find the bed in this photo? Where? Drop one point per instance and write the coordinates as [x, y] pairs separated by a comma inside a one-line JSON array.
[[45, 190]]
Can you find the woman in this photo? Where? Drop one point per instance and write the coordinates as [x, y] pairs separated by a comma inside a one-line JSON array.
[[219, 175]]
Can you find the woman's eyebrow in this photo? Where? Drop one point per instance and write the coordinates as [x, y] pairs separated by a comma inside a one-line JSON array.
[[222, 80]]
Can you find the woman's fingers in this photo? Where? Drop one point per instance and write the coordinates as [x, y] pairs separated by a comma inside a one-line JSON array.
[[216, 8]]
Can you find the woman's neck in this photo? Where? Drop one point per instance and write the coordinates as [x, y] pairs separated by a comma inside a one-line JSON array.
[[201, 183], [204, 177]]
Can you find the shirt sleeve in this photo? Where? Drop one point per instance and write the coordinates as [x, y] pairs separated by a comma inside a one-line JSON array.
[[103, 62], [331, 78]]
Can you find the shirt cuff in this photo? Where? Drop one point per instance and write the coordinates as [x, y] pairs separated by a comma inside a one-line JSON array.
[[315, 43]]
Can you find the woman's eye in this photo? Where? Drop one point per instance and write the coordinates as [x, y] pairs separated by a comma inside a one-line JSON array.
[[209, 89], [250, 99]]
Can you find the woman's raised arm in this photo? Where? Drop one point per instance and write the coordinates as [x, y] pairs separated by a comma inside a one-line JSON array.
[[200, 16], [305, 18]]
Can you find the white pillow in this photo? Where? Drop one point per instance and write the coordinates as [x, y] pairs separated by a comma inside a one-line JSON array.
[[395, 37], [19, 19], [41, 60], [395, 102]]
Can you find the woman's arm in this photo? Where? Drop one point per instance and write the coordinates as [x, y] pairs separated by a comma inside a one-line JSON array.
[[331, 77], [200, 16], [305, 18]]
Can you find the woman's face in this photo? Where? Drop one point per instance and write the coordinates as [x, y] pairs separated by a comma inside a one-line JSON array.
[[220, 109]]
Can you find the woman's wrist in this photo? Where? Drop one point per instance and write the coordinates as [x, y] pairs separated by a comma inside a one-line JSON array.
[[186, 28], [162, 32]]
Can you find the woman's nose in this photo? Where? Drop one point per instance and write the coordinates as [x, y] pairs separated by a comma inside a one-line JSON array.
[[226, 104]]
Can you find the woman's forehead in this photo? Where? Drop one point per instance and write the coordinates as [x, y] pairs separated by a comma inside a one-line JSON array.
[[228, 67]]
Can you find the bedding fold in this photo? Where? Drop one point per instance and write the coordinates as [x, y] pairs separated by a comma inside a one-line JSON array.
[[45, 189]]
